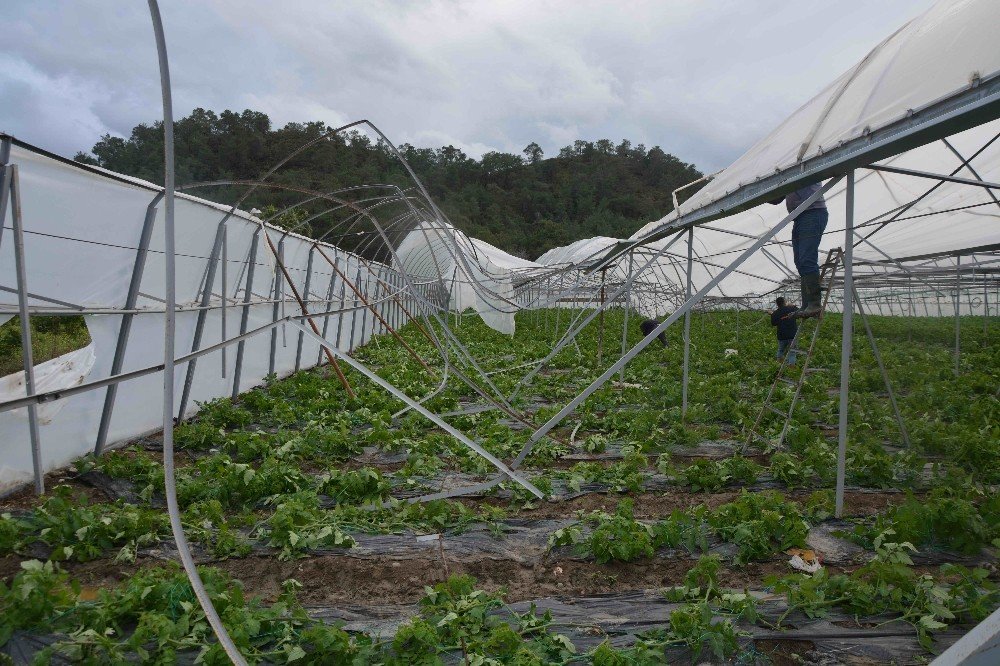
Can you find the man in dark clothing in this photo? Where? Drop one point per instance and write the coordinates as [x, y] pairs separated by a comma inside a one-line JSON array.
[[807, 232], [648, 326], [787, 327]]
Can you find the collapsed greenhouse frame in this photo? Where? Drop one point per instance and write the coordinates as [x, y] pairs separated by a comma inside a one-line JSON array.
[[417, 287]]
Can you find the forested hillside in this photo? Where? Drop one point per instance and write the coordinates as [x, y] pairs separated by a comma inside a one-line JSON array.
[[524, 204]]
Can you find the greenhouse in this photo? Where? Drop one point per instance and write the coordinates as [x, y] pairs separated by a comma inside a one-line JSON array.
[[395, 443]]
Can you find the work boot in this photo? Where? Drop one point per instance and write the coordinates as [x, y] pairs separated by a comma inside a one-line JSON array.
[[812, 298]]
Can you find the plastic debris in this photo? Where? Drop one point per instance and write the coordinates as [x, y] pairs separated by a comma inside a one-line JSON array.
[[804, 560], [627, 385]]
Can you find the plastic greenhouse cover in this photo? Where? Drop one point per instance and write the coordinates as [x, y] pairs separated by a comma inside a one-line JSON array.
[[81, 234], [934, 56], [951, 217], [475, 273], [945, 51]]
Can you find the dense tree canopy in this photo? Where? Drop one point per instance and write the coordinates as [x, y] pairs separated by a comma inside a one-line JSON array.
[[524, 204]]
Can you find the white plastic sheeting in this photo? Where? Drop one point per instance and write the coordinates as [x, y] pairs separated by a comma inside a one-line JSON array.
[[655, 291], [59, 373], [939, 54], [474, 273], [946, 50], [81, 231], [945, 218]]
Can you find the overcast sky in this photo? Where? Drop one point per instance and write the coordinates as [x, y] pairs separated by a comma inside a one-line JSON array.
[[703, 79]]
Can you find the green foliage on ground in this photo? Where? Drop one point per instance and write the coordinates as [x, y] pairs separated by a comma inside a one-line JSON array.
[[50, 337], [274, 469]]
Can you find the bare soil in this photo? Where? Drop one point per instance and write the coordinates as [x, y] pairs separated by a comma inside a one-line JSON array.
[[26, 498], [654, 505], [96, 573], [332, 579], [782, 652], [647, 505]]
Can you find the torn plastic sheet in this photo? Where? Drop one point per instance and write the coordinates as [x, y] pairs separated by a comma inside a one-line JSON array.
[[22, 648], [621, 618], [61, 372], [522, 541]]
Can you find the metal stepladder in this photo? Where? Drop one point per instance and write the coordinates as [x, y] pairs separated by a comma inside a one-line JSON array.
[[828, 274]]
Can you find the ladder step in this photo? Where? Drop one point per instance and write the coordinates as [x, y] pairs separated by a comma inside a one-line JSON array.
[[777, 411], [786, 380]]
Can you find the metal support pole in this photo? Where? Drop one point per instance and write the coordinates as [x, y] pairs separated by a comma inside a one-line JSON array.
[[510, 472], [279, 258], [986, 303], [276, 290], [677, 314], [628, 305], [343, 315], [327, 306], [14, 192], [384, 324], [225, 294], [846, 345], [125, 327], [170, 298], [881, 369], [687, 326], [5, 188], [600, 332], [199, 329], [305, 299], [958, 325], [354, 312], [245, 316], [558, 310]]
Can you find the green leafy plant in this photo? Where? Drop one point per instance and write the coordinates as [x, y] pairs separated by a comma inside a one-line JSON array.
[[298, 525], [760, 524], [713, 475], [35, 596], [693, 626], [354, 486], [611, 537], [596, 444], [888, 584], [939, 519], [78, 530], [791, 470]]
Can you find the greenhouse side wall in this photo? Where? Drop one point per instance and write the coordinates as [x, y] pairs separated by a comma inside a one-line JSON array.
[[81, 233]]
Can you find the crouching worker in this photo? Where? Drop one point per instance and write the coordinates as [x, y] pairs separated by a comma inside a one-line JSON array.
[[648, 326], [786, 329]]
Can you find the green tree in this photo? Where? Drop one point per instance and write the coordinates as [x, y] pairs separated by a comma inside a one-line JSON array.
[[522, 205]]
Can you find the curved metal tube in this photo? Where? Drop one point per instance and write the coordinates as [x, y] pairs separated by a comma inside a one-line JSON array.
[[169, 477]]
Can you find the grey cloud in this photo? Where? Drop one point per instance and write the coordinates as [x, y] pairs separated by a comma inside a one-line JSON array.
[[703, 80]]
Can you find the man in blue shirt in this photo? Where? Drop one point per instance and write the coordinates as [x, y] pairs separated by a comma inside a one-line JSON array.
[[807, 232], [787, 328]]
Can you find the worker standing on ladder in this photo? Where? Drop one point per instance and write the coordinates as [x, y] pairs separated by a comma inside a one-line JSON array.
[[787, 327], [807, 232]]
